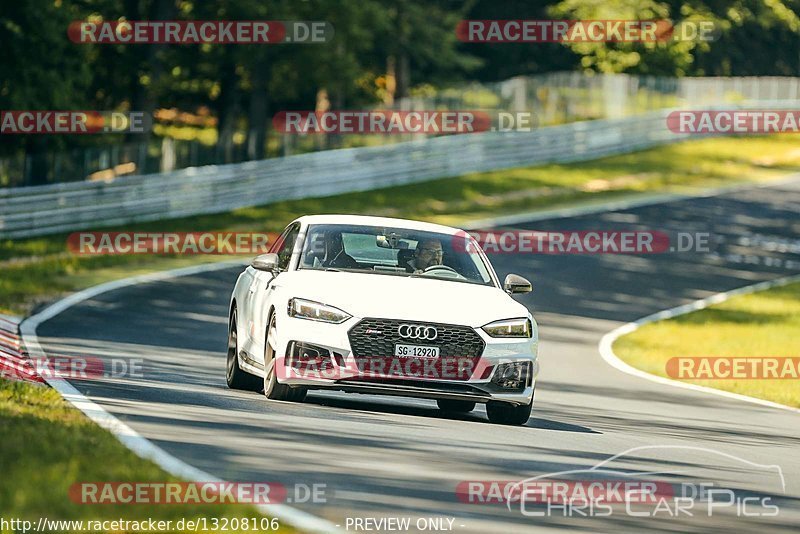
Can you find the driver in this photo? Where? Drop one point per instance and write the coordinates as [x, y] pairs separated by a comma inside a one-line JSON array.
[[427, 254]]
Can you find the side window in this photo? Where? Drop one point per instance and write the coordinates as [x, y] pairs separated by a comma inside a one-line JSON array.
[[285, 245]]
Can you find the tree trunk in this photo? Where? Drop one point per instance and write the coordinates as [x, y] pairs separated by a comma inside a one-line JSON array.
[[403, 75], [148, 59], [227, 110], [403, 67], [36, 155], [257, 120]]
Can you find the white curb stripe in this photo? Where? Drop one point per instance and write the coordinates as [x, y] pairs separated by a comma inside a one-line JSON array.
[[612, 359], [125, 434]]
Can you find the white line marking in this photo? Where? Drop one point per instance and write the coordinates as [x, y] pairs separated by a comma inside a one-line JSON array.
[[125, 434], [612, 359]]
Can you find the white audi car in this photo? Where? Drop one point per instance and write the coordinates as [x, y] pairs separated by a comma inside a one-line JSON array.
[[383, 306]]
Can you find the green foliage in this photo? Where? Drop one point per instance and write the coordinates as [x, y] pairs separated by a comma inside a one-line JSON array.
[[753, 37], [241, 85], [381, 50], [39, 67]]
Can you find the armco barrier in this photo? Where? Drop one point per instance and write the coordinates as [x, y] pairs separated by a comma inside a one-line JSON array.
[[14, 362], [47, 209]]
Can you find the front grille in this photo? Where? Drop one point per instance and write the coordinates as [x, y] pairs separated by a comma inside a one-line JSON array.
[[452, 340]]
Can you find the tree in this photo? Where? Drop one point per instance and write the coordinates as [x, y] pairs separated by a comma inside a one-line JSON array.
[[41, 70]]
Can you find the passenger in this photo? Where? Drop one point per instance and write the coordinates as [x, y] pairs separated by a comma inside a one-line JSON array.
[[335, 256]]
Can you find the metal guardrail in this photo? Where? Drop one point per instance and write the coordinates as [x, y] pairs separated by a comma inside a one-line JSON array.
[[40, 210]]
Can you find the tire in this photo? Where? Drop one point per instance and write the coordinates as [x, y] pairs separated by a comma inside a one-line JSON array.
[[273, 389], [234, 375], [504, 413], [456, 406]]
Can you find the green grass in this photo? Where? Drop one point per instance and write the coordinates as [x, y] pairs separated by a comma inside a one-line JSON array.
[[48, 446], [36, 270], [761, 324]]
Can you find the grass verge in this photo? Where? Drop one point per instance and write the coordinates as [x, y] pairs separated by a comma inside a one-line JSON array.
[[37, 270], [48, 446], [763, 324]]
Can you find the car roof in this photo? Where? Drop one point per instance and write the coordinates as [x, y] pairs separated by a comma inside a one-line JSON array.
[[368, 220]]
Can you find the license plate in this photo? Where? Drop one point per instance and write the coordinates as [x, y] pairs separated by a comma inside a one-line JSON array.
[[416, 351]]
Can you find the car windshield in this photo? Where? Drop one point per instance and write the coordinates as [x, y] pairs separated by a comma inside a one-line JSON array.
[[393, 251]]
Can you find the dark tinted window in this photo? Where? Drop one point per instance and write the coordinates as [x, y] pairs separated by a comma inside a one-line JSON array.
[[285, 245]]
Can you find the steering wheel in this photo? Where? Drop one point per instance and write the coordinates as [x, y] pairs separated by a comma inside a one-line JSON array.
[[434, 267]]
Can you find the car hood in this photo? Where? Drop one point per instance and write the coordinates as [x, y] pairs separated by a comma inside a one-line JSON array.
[[399, 297]]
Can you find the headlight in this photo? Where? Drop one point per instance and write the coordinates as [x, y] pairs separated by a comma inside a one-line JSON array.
[[315, 311], [509, 328]]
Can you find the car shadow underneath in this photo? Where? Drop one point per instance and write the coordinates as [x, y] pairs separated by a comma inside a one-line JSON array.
[[403, 406]]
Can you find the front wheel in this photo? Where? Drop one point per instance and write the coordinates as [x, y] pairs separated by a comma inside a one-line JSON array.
[[504, 413], [273, 389]]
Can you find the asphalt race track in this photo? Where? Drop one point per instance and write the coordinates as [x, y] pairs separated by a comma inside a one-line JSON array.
[[393, 457]]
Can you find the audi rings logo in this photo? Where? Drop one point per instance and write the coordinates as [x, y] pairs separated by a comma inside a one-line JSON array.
[[417, 331]]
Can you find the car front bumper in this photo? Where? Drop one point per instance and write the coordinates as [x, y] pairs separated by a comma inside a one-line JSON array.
[[342, 371]]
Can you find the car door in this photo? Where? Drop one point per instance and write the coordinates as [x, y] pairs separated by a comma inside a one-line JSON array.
[[261, 290]]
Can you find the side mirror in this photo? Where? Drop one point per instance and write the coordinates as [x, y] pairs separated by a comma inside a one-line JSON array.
[[265, 262], [514, 283]]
